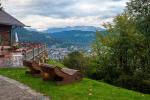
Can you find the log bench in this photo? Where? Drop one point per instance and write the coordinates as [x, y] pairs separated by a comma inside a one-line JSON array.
[[49, 72], [60, 75], [68, 75], [33, 68]]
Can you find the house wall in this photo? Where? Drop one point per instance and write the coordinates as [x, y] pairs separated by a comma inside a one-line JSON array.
[[5, 35]]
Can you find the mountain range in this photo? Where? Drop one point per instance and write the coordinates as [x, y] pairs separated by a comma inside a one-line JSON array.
[[79, 36], [81, 28]]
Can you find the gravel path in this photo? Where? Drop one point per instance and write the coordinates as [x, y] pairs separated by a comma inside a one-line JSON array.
[[13, 90]]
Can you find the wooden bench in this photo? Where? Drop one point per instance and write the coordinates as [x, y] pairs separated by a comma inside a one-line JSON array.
[[60, 75], [33, 67], [68, 75], [49, 72]]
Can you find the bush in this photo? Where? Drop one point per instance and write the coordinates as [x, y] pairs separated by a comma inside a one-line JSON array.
[[75, 60], [139, 81]]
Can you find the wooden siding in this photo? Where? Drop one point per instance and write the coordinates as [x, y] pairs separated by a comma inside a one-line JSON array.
[[5, 35]]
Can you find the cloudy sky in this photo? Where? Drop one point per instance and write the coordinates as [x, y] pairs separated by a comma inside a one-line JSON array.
[[43, 14]]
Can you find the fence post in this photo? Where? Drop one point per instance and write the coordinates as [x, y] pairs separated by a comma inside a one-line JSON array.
[[38, 50], [25, 55], [33, 53], [45, 47]]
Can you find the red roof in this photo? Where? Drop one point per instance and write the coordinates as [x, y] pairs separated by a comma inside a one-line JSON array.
[[7, 19]]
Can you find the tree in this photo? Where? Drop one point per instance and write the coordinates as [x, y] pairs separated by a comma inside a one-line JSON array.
[[125, 41], [139, 10], [120, 54], [101, 63]]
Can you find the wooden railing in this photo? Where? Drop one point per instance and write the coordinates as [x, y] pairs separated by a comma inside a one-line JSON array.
[[34, 52]]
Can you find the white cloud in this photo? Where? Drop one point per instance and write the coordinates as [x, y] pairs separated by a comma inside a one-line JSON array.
[[43, 22], [42, 14]]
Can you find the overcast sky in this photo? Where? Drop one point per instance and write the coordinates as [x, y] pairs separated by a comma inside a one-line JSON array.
[[43, 14]]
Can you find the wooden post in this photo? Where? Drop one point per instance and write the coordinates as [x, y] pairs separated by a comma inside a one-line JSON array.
[[25, 55], [33, 54], [38, 50], [45, 47]]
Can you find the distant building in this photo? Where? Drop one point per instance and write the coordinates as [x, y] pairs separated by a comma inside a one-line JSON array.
[[58, 53]]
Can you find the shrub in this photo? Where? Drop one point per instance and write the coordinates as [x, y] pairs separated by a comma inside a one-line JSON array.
[[139, 81], [75, 60]]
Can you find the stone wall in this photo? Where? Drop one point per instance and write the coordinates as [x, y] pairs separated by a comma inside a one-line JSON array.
[[13, 60], [17, 60]]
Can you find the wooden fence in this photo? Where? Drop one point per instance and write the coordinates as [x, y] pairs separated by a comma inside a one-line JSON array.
[[34, 52]]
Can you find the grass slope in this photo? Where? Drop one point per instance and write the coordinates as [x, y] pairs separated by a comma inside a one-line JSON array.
[[85, 90]]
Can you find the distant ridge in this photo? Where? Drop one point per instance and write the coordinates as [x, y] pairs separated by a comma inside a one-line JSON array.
[[63, 37], [80, 28]]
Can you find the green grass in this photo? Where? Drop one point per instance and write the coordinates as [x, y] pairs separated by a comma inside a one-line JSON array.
[[87, 89], [55, 63]]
